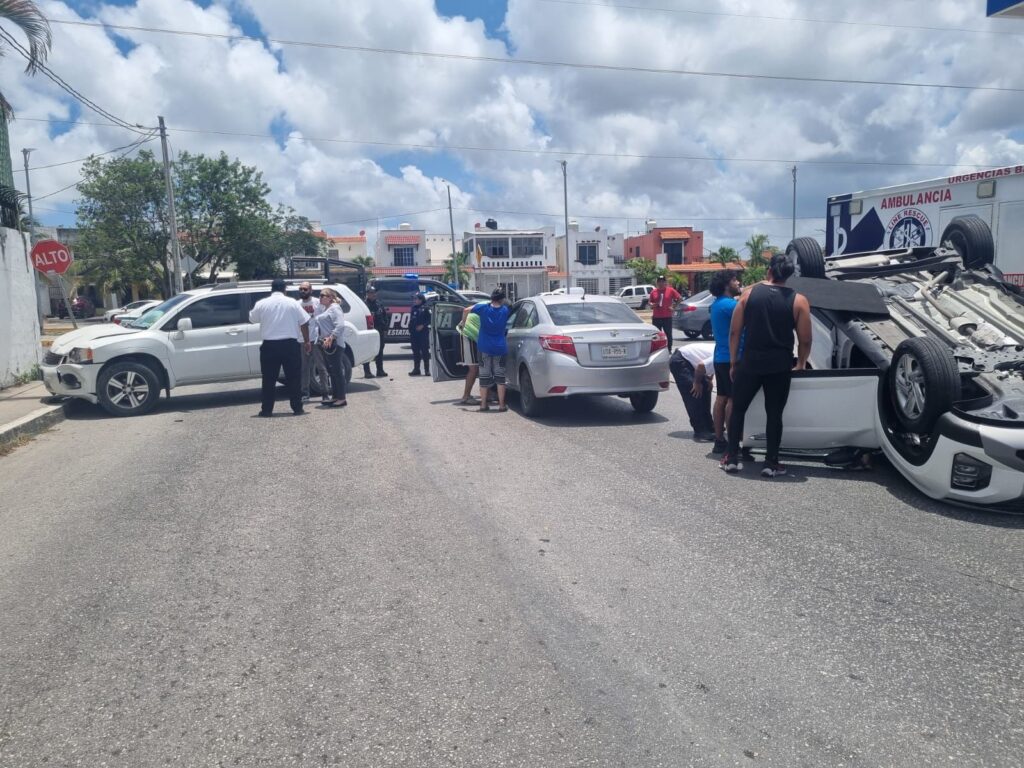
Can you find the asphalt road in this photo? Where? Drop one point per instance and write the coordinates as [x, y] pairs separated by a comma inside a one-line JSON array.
[[406, 582]]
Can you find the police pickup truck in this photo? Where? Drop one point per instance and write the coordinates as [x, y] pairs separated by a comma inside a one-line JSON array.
[[396, 294]]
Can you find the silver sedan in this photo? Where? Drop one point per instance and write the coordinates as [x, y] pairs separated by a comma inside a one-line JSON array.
[[573, 345]]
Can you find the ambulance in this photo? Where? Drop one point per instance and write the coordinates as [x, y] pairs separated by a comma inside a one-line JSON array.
[[915, 215]]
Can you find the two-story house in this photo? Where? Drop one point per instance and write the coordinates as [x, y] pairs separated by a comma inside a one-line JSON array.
[[519, 261], [597, 260]]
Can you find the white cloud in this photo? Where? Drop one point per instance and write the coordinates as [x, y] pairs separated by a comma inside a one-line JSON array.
[[325, 93]]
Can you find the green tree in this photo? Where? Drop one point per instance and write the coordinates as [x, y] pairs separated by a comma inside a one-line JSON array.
[[754, 273], [363, 261], [645, 271], [725, 256], [757, 245], [455, 270], [122, 217], [25, 15]]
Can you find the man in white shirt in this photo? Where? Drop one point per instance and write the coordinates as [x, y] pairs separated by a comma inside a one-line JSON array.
[[693, 366], [282, 324], [315, 357]]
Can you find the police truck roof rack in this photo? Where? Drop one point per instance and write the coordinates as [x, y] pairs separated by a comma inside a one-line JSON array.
[[266, 282]]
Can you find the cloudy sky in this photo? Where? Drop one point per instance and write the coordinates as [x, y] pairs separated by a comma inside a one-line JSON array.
[[353, 131]]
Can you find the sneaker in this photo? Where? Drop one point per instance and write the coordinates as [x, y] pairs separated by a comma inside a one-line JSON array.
[[731, 463], [773, 469], [720, 446], [414, 373]]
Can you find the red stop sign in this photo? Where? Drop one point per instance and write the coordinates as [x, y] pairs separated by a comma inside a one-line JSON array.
[[51, 256]]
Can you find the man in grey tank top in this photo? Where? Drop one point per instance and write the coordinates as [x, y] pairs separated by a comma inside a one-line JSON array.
[[767, 317]]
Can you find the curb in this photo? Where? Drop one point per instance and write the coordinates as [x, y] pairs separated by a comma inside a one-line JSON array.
[[38, 421]]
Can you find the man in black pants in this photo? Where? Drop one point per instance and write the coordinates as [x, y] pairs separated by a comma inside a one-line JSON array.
[[766, 317], [380, 322], [281, 322], [663, 303]]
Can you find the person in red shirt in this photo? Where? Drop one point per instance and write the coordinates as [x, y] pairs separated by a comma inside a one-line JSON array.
[[663, 302]]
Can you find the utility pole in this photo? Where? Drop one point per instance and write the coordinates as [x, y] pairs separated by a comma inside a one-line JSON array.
[[176, 283], [565, 192], [794, 203], [451, 223], [32, 239]]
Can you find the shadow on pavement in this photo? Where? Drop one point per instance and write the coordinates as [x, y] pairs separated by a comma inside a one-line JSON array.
[[588, 412]]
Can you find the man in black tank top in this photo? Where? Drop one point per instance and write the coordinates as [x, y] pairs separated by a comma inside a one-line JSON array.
[[766, 318]]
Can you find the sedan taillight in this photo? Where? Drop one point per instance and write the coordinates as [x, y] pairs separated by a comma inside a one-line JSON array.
[[659, 342], [689, 308], [369, 322], [563, 344]]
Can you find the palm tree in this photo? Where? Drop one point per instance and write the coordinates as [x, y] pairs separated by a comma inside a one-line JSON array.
[[26, 16], [363, 261], [725, 256], [757, 245], [455, 270]]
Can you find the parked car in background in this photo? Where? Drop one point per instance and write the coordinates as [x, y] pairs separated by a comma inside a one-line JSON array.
[[561, 346], [134, 314], [82, 306], [636, 296], [108, 316], [200, 336], [693, 316]]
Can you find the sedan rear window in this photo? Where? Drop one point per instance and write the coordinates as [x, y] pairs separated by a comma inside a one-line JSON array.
[[592, 313]]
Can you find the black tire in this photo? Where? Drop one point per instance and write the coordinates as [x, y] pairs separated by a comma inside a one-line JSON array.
[[128, 388], [807, 257], [706, 331], [643, 402], [347, 366], [643, 304], [691, 334], [528, 400], [923, 383], [971, 237]]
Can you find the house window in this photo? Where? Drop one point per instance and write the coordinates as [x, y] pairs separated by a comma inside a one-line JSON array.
[[616, 284], [586, 253], [588, 284], [494, 247], [524, 247], [673, 251], [332, 253], [405, 256]]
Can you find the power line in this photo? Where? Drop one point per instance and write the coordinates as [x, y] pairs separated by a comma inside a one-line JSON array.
[[390, 216], [762, 17], [64, 86], [542, 62], [83, 159], [552, 152], [130, 147], [660, 218]]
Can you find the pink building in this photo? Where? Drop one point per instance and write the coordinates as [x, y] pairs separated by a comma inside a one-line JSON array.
[[681, 245]]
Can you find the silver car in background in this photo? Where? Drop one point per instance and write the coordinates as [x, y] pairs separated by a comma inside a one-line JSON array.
[[693, 316], [569, 345]]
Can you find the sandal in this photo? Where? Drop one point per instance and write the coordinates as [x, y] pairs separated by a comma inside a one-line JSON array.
[[502, 408], [469, 401], [484, 408]]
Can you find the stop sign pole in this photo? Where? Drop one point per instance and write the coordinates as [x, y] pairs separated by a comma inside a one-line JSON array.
[[53, 259]]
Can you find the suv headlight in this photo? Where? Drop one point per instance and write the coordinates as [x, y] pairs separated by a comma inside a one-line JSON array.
[[80, 355]]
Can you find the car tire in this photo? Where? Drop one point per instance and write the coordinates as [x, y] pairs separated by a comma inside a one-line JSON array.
[[971, 237], [807, 257], [923, 383], [706, 331], [528, 400], [691, 334], [347, 366], [643, 402], [120, 385]]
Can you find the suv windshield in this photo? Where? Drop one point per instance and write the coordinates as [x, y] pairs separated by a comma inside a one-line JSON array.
[[153, 315], [591, 313]]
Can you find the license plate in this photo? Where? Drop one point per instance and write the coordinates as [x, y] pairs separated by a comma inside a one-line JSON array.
[[613, 351]]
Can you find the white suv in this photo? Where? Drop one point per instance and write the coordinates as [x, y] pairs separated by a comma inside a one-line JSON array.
[[636, 296], [123, 368]]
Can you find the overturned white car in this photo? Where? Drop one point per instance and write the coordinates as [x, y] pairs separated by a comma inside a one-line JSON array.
[[918, 353]]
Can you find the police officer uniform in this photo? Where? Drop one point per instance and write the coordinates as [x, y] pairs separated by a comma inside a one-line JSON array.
[[380, 322], [420, 316]]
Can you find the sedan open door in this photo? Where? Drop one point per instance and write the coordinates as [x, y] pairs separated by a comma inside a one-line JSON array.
[[446, 352]]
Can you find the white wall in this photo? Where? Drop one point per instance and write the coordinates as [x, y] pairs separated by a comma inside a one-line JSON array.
[[19, 321]]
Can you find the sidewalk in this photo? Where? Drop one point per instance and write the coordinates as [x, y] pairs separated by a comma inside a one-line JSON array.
[[23, 412]]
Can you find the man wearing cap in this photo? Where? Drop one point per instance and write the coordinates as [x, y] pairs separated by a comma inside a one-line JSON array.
[[283, 323], [663, 301]]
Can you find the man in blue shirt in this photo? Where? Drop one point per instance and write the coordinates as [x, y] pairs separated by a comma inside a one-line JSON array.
[[725, 287], [492, 346]]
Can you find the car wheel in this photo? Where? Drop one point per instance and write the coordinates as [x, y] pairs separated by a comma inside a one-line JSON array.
[[706, 331], [691, 334], [643, 304], [643, 402], [924, 382], [528, 400], [807, 257], [128, 388], [346, 366], [971, 237]]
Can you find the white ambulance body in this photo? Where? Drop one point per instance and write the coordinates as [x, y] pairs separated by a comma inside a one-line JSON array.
[[917, 214]]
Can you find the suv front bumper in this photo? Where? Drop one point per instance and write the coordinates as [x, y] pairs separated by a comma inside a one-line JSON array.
[[71, 380]]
